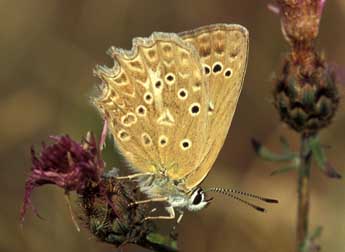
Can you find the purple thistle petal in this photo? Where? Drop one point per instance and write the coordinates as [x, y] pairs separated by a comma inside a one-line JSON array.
[[65, 163], [274, 8], [104, 135]]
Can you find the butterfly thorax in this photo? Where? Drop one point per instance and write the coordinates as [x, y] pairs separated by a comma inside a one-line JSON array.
[[160, 185], [177, 195]]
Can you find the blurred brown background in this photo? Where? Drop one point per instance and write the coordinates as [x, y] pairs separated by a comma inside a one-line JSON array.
[[47, 52]]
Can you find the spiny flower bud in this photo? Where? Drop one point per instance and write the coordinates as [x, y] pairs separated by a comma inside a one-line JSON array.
[[107, 213], [306, 95]]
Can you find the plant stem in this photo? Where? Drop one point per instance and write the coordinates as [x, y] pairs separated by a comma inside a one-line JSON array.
[[303, 191]]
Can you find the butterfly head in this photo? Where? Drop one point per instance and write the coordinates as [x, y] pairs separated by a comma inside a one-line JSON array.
[[198, 200]]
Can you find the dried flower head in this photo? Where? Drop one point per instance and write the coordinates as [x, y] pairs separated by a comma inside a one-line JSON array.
[[66, 164], [300, 19], [305, 93]]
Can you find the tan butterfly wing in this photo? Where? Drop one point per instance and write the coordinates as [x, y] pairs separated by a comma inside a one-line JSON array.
[[155, 100], [223, 51]]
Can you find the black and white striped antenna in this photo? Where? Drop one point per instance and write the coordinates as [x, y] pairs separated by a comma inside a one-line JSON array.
[[230, 192]]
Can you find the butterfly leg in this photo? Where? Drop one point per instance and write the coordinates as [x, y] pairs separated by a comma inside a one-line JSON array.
[[136, 175], [180, 217], [171, 216], [161, 199]]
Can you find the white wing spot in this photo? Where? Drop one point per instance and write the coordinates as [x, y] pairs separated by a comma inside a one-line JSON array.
[[186, 144], [194, 109], [129, 119], [197, 86], [123, 135], [182, 94], [163, 141], [217, 68], [141, 110], [158, 84], [146, 139], [166, 118], [207, 69], [148, 98], [228, 72], [210, 108], [170, 79]]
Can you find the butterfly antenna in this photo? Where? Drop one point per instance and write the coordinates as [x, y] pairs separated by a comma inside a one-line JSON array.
[[250, 195], [258, 208]]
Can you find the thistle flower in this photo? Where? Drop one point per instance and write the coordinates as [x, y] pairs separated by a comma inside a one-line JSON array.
[[66, 164], [106, 213], [105, 203], [306, 96], [305, 93]]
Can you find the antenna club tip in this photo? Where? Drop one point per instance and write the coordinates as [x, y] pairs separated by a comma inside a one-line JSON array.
[[274, 201], [261, 209]]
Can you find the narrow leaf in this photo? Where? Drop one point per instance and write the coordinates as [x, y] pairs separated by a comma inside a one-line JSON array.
[[266, 154], [321, 159], [282, 170]]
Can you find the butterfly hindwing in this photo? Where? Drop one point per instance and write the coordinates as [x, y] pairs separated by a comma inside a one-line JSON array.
[[223, 51]]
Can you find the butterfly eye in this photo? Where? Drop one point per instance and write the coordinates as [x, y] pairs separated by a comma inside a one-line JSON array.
[[198, 196], [228, 73], [197, 199]]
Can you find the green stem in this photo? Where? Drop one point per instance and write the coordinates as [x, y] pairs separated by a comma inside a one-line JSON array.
[[303, 191]]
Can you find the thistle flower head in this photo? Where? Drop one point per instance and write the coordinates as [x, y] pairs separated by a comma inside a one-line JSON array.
[[66, 164], [306, 95], [104, 201], [106, 212]]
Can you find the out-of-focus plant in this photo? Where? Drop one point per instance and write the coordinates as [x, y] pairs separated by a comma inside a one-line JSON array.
[[306, 98], [104, 202]]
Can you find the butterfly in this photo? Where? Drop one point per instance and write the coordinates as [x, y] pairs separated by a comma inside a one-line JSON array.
[[169, 103]]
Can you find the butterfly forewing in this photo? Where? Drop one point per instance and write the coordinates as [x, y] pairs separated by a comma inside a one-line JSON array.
[[223, 51], [155, 100]]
